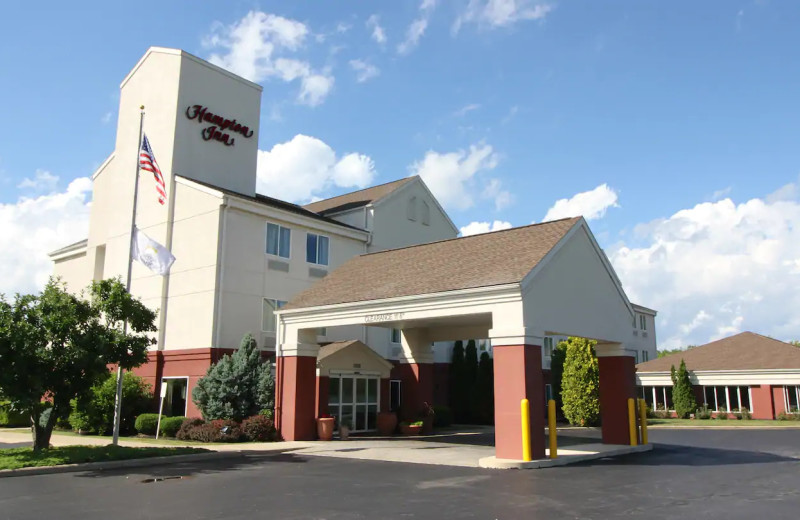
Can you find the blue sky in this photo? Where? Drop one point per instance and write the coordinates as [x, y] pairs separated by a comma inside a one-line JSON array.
[[671, 126]]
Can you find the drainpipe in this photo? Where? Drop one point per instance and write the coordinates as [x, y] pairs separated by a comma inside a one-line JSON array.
[[220, 270]]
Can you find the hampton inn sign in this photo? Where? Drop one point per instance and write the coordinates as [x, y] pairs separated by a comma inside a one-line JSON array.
[[216, 130]]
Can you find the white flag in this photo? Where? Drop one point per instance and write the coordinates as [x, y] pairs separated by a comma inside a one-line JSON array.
[[150, 253]]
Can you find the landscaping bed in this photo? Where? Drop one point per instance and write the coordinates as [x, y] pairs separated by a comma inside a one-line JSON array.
[[16, 458], [701, 423]]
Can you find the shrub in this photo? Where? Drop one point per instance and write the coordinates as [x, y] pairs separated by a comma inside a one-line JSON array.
[[783, 416], [205, 432], [236, 387], [744, 414], [650, 413], [703, 413], [171, 425], [184, 432], [147, 423], [442, 416], [682, 392], [12, 417], [96, 413], [580, 383], [258, 428], [722, 415], [229, 430]]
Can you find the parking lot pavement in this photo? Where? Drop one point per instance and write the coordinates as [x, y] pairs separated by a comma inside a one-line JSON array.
[[690, 474]]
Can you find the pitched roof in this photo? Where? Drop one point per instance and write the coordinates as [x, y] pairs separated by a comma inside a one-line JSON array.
[[272, 202], [484, 260], [357, 199], [744, 351]]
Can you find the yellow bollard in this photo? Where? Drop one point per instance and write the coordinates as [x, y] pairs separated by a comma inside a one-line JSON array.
[[643, 419], [525, 412], [551, 428], [632, 422]]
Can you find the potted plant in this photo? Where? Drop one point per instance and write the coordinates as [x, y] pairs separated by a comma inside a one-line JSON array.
[[387, 423], [411, 428], [325, 425]]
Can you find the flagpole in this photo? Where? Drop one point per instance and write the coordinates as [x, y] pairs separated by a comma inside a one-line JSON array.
[[118, 397]]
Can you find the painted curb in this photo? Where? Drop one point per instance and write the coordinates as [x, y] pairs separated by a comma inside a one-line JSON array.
[[495, 463], [116, 464]]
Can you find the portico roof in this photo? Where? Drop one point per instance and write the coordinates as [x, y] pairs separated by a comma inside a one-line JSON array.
[[498, 258]]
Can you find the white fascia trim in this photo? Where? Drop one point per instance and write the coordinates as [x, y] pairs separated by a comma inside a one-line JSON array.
[[725, 377], [293, 218], [581, 224], [199, 187], [64, 255], [179, 52], [103, 165], [418, 302], [643, 310]]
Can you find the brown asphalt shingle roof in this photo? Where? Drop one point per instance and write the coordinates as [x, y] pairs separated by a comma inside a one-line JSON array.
[[356, 199], [482, 260], [744, 351]]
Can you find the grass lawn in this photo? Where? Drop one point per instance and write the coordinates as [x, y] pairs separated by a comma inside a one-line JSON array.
[[16, 458], [729, 423]]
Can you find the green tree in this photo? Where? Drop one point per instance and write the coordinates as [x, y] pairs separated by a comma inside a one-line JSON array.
[[557, 370], [670, 351], [236, 387], [471, 381], [580, 384], [55, 346], [795, 342], [95, 412], [682, 393], [456, 382], [485, 389]]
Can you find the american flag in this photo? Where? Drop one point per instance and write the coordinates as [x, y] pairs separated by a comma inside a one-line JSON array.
[[147, 162]]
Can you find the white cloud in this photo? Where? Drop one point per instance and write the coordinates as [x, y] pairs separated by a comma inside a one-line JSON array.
[[378, 33], [417, 28], [721, 194], [501, 13], [475, 228], [364, 71], [717, 269], [42, 182], [33, 227], [106, 118], [452, 176], [589, 204], [461, 112], [494, 191], [254, 48], [299, 169]]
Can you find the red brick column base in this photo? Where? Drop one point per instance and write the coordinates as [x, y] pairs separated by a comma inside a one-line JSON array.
[[296, 405], [617, 385], [517, 376]]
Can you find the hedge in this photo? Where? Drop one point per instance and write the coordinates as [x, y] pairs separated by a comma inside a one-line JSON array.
[[147, 423], [9, 417], [171, 425]]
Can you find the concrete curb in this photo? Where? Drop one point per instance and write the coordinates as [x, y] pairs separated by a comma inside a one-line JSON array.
[[692, 427], [116, 464], [495, 463]]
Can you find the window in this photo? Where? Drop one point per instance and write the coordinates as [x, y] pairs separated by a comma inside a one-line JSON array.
[[645, 356], [548, 346], [411, 211], [279, 240], [269, 307], [317, 249], [394, 336], [636, 357], [322, 331], [792, 398], [657, 397], [426, 214], [548, 393], [643, 322], [728, 398], [634, 321]]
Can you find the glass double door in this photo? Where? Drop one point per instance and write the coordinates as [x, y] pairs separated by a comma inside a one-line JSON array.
[[353, 400]]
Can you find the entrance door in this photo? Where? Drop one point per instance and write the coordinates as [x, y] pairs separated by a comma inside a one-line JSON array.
[[353, 400]]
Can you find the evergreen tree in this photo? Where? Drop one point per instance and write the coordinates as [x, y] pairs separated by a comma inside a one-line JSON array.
[[682, 393], [580, 384], [557, 370], [236, 387], [456, 382], [486, 389], [471, 380]]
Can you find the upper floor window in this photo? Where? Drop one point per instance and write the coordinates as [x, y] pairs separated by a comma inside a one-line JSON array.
[[643, 322], [411, 211], [317, 249], [394, 336], [426, 214], [645, 356], [268, 308], [634, 320], [279, 240], [548, 346]]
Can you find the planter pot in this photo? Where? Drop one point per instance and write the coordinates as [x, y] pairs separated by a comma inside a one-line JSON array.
[[387, 423], [408, 429], [325, 428], [427, 425], [344, 432]]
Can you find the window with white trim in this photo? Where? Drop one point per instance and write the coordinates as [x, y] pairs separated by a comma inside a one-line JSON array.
[[394, 336], [727, 398], [548, 346], [279, 240], [268, 308], [792, 398], [317, 247], [645, 356], [643, 322], [657, 397]]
